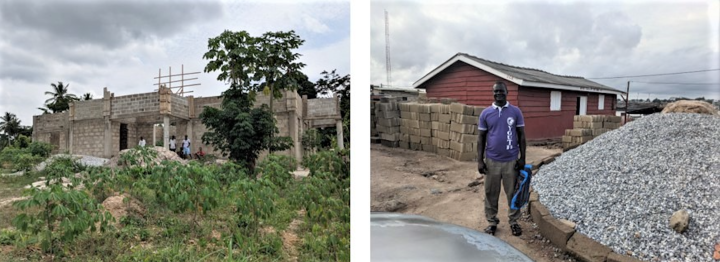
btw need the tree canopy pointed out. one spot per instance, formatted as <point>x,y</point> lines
<point>60,98</point>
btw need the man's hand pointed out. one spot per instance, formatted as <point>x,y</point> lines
<point>520,164</point>
<point>482,168</point>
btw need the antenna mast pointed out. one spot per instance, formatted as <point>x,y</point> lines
<point>387,50</point>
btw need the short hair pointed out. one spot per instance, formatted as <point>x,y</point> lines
<point>500,84</point>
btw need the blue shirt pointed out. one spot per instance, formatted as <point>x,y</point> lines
<point>500,124</point>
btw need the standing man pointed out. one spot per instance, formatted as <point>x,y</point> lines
<point>142,142</point>
<point>501,153</point>
<point>172,144</point>
<point>186,147</point>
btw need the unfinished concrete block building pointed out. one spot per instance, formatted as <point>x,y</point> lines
<point>103,127</point>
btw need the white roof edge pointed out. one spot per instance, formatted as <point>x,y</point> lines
<point>469,61</point>
<point>572,88</point>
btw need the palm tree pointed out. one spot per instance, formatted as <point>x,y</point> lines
<point>87,96</point>
<point>60,100</point>
<point>10,125</point>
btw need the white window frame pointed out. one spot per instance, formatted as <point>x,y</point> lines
<point>555,99</point>
<point>601,102</point>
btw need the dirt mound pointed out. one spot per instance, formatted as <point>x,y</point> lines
<point>688,106</point>
<point>162,154</point>
<point>119,209</point>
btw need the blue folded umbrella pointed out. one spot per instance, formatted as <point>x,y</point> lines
<point>522,193</point>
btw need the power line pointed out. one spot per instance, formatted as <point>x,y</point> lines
<point>666,83</point>
<point>677,73</point>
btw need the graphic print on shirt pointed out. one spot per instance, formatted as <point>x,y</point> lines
<point>510,122</point>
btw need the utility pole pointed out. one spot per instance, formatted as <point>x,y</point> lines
<point>627,97</point>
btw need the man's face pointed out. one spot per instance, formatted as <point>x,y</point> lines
<point>500,94</point>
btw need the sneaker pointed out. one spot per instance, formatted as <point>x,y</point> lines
<point>516,230</point>
<point>490,230</point>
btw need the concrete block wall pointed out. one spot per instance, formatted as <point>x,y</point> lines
<point>279,104</point>
<point>388,121</point>
<point>89,109</point>
<point>133,104</point>
<point>142,130</point>
<point>321,107</point>
<point>588,127</point>
<point>179,105</point>
<point>200,102</point>
<point>445,129</point>
<point>53,129</point>
<point>89,137</point>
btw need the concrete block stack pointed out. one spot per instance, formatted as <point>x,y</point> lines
<point>463,131</point>
<point>415,127</point>
<point>588,127</point>
<point>373,123</point>
<point>388,122</point>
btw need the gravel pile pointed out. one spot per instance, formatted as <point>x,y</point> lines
<point>622,187</point>
<point>85,160</point>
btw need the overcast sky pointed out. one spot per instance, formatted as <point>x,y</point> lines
<point>588,39</point>
<point>122,44</point>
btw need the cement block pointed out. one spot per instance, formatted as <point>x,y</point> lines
<point>580,132</point>
<point>599,131</point>
<point>464,119</point>
<point>404,145</point>
<point>567,132</point>
<point>612,125</point>
<point>463,147</point>
<point>567,139</point>
<point>389,114</point>
<point>424,117</point>
<point>462,128</point>
<point>435,108</point>
<point>557,232</point>
<point>613,119</point>
<point>424,108</point>
<point>587,249</point>
<point>578,125</point>
<point>429,148</point>
<point>425,132</point>
<point>434,116</point>
<point>425,124</point>
<point>404,137</point>
<point>413,107</point>
<point>434,125</point>
<point>388,122</point>
<point>414,139</point>
<point>443,135</point>
<point>468,138</point>
<point>440,143</point>
<point>615,257</point>
<point>405,114</point>
<point>415,146</point>
<point>595,125</point>
<point>444,118</point>
<point>478,110</point>
<point>390,143</point>
<point>411,123</point>
<point>426,140</point>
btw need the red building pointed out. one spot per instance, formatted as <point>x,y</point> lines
<point>548,101</point>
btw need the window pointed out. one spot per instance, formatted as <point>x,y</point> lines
<point>555,97</point>
<point>601,102</point>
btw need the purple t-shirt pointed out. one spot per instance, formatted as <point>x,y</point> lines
<point>501,123</point>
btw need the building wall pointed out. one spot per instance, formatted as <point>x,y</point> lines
<point>179,106</point>
<point>322,107</point>
<point>89,109</point>
<point>127,106</point>
<point>88,137</point>
<point>468,85</point>
<point>541,123</point>
<point>472,86</point>
<point>53,129</point>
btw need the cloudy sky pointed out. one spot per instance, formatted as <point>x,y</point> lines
<point>581,38</point>
<point>122,44</point>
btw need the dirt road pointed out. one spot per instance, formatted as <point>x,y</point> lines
<point>415,182</point>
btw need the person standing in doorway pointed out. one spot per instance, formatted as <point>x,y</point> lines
<point>142,142</point>
<point>172,144</point>
<point>186,147</point>
<point>501,154</point>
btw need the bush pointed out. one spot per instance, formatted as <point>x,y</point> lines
<point>22,142</point>
<point>40,149</point>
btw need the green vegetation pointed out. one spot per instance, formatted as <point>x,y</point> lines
<point>23,155</point>
<point>190,212</point>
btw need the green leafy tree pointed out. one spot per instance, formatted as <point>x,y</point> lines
<point>61,98</point>
<point>10,125</point>
<point>306,87</point>
<point>250,64</point>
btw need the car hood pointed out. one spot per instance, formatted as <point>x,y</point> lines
<point>402,237</point>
